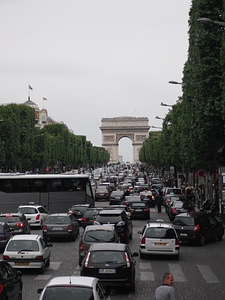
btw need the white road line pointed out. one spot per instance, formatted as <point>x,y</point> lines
<point>178,274</point>
<point>43,277</point>
<point>147,276</point>
<point>54,265</point>
<point>145,266</point>
<point>208,274</point>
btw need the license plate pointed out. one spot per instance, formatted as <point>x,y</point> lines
<point>138,209</point>
<point>160,244</point>
<point>183,234</point>
<point>107,271</point>
<point>57,228</point>
<point>22,264</point>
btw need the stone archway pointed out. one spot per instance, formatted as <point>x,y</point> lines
<point>114,129</point>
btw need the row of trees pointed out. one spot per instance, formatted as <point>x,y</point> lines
<point>25,147</point>
<point>193,134</point>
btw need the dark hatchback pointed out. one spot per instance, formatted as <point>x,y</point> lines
<point>113,263</point>
<point>177,207</point>
<point>198,227</point>
<point>78,211</point>
<point>5,235</point>
<point>11,285</point>
<point>139,210</point>
<point>116,197</point>
<point>17,222</point>
<point>118,218</point>
<point>89,216</point>
<point>60,225</point>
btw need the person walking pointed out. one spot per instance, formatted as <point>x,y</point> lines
<point>158,200</point>
<point>166,291</point>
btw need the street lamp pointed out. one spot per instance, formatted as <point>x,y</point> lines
<point>164,104</point>
<point>157,117</point>
<point>210,21</point>
<point>175,82</point>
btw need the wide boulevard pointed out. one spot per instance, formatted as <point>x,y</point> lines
<point>199,274</point>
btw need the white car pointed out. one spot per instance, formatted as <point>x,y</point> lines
<point>28,251</point>
<point>159,238</point>
<point>35,214</point>
<point>73,287</point>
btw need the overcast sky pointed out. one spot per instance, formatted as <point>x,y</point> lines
<point>94,59</point>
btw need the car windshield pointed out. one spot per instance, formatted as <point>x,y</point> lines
<point>57,220</point>
<point>19,245</point>
<point>27,210</point>
<point>184,221</point>
<point>107,257</point>
<point>174,191</point>
<point>99,236</point>
<point>160,233</point>
<point>68,293</point>
<point>138,205</point>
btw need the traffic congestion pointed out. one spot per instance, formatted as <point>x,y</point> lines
<point>138,229</point>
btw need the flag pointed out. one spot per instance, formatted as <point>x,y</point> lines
<point>44,99</point>
<point>30,87</point>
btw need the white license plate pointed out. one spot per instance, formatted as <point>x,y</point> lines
<point>107,271</point>
<point>138,209</point>
<point>57,228</point>
<point>183,234</point>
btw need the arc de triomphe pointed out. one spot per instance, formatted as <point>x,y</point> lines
<point>114,129</point>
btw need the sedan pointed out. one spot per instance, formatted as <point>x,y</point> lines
<point>89,216</point>
<point>61,225</point>
<point>28,251</point>
<point>17,222</point>
<point>139,210</point>
<point>5,234</point>
<point>11,285</point>
<point>73,287</point>
<point>178,207</point>
<point>113,263</point>
<point>116,197</point>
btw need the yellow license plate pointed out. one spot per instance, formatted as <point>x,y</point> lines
<point>22,264</point>
<point>160,244</point>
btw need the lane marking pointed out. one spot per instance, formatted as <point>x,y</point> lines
<point>178,274</point>
<point>208,274</point>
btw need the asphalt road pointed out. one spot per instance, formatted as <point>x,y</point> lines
<point>199,274</point>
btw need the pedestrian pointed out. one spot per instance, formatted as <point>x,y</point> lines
<point>166,291</point>
<point>158,200</point>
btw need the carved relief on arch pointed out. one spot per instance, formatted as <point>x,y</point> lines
<point>120,136</point>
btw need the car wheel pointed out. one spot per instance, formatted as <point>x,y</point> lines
<point>142,256</point>
<point>48,263</point>
<point>201,241</point>
<point>132,285</point>
<point>73,237</point>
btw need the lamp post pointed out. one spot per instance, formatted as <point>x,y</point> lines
<point>175,82</point>
<point>157,117</point>
<point>210,21</point>
<point>164,104</point>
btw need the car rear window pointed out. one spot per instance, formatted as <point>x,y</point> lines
<point>27,210</point>
<point>107,257</point>
<point>108,219</point>
<point>162,233</point>
<point>57,220</point>
<point>68,292</point>
<point>141,204</point>
<point>189,221</point>
<point>99,236</point>
<point>20,245</point>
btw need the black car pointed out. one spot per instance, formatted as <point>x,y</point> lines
<point>89,216</point>
<point>11,285</point>
<point>177,207</point>
<point>139,210</point>
<point>61,225</point>
<point>78,211</point>
<point>17,222</point>
<point>119,218</point>
<point>116,197</point>
<point>5,235</point>
<point>198,227</point>
<point>112,263</point>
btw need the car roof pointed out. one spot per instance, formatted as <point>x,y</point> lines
<point>192,214</point>
<point>58,215</point>
<point>74,280</point>
<point>81,205</point>
<point>30,205</point>
<point>111,212</point>
<point>108,246</point>
<point>29,237</point>
<point>159,223</point>
<point>100,227</point>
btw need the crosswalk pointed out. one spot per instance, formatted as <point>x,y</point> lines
<point>145,272</point>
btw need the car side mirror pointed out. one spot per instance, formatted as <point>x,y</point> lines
<point>39,291</point>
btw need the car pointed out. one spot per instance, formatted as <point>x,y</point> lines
<point>198,227</point>
<point>89,216</point>
<point>172,191</point>
<point>35,214</point>
<point>60,225</point>
<point>102,193</point>
<point>123,225</point>
<point>112,263</point>
<point>139,210</point>
<point>116,197</point>
<point>159,238</point>
<point>73,287</point>
<point>148,197</point>
<point>78,211</point>
<point>119,206</point>
<point>11,284</point>
<point>28,251</point>
<point>177,207</point>
<point>96,234</point>
<point>5,234</point>
<point>17,222</point>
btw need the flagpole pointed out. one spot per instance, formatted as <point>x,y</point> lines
<point>28,92</point>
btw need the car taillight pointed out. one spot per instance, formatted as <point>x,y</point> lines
<point>177,243</point>
<point>84,219</point>
<point>5,257</point>
<point>70,228</point>
<point>143,240</point>
<point>153,197</point>
<point>127,260</point>
<point>197,228</point>
<point>39,257</point>
<point>20,224</point>
<point>173,210</point>
<point>38,217</point>
<point>3,237</point>
<point>45,228</point>
<point>1,288</point>
<point>86,260</point>
<point>82,248</point>
<point>131,210</point>
<point>146,210</point>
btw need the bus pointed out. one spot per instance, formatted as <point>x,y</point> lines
<point>56,192</point>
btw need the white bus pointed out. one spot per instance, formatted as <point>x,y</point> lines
<point>56,192</point>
